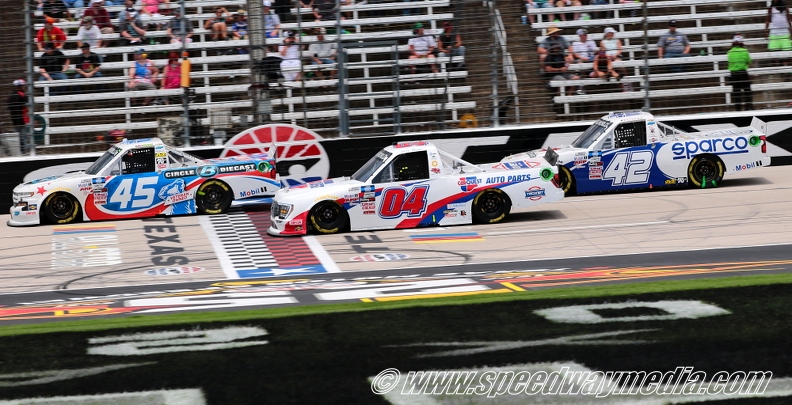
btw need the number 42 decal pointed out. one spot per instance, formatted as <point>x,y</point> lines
<point>629,168</point>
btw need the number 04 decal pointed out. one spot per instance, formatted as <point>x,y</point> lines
<point>396,201</point>
<point>629,168</point>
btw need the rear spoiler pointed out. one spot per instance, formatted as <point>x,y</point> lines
<point>551,157</point>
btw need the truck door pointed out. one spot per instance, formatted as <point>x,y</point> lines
<point>401,197</point>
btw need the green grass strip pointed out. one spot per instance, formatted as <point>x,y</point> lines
<point>135,321</point>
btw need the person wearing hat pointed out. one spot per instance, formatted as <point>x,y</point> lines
<point>17,109</point>
<point>554,39</point>
<point>88,33</point>
<point>130,25</point>
<point>272,23</point>
<point>291,55</point>
<point>56,9</point>
<point>174,28</point>
<point>583,49</point>
<point>50,33</point>
<point>239,29</point>
<point>323,54</point>
<point>143,74</point>
<point>673,44</point>
<point>556,67</point>
<point>421,46</point>
<point>101,18</point>
<point>739,61</point>
<point>449,43</point>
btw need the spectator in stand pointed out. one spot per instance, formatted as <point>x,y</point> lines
<point>603,67</point>
<point>218,25</point>
<point>87,64</point>
<point>560,4</point>
<point>151,12</point>
<point>778,26</point>
<point>554,39</point>
<point>239,29</point>
<point>421,46</point>
<point>143,74</point>
<point>583,49</point>
<point>171,74</point>
<point>323,53</point>
<point>17,109</point>
<point>88,33</point>
<point>291,53</point>
<point>272,23</point>
<point>174,29</point>
<point>56,9</point>
<point>613,50</point>
<point>673,44</point>
<point>53,65</point>
<point>325,10</point>
<point>556,67</point>
<point>50,34</point>
<point>449,43</point>
<point>101,18</point>
<point>130,26</point>
<point>739,61</point>
<point>529,4</point>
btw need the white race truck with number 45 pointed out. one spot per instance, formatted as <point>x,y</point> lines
<point>631,150</point>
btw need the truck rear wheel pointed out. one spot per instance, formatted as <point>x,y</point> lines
<point>213,197</point>
<point>491,206</point>
<point>705,171</point>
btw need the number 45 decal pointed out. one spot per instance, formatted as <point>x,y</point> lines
<point>138,190</point>
<point>396,201</point>
<point>629,167</point>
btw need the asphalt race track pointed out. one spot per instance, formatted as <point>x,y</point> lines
<point>742,227</point>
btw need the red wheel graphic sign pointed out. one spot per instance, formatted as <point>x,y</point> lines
<point>300,157</point>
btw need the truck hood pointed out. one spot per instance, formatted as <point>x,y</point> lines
<point>566,153</point>
<point>334,188</point>
<point>56,178</point>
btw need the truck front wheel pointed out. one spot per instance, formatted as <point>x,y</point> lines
<point>491,206</point>
<point>566,180</point>
<point>705,171</point>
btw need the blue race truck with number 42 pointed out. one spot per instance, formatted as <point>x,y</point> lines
<point>631,150</point>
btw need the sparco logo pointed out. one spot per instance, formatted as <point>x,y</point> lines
<point>718,146</point>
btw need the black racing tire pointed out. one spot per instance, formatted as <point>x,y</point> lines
<point>491,206</point>
<point>705,171</point>
<point>213,197</point>
<point>328,217</point>
<point>61,208</point>
<point>566,181</point>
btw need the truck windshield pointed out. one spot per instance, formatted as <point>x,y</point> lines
<point>102,161</point>
<point>367,170</point>
<point>591,134</point>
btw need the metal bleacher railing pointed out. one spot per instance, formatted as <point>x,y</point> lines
<point>501,64</point>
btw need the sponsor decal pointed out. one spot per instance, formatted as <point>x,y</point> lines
<point>521,164</point>
<point>173,271</point>
<point>40,190</point>
<point>207,171</point>
<point>434,163</point>
<point>535,193</point>
<point>495,180</point>
<point>172,174</point>
<point>595,154</point>
<point>42,180</point>
<point>670,182</point>
<point>265,167</point>
<point>296,222</point>
<point>456,205</point>
<point>718,146</point>
<point>368,212</point>
<point>410,144</point>
<point>247,167</point>
<point>468,183</point>
<point>435,170</point>
<point>100,198</point>
<point>364,189</point>
<point>450,213</point>
<point>352,199</point>
<point>177,198</point>
<point>327,197</point>
<point>249,193</point>
<point>747,166</point>
<point>368,205</point>
<point>380,257</point>
<point>595,172</point>
<point>32,207</point>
